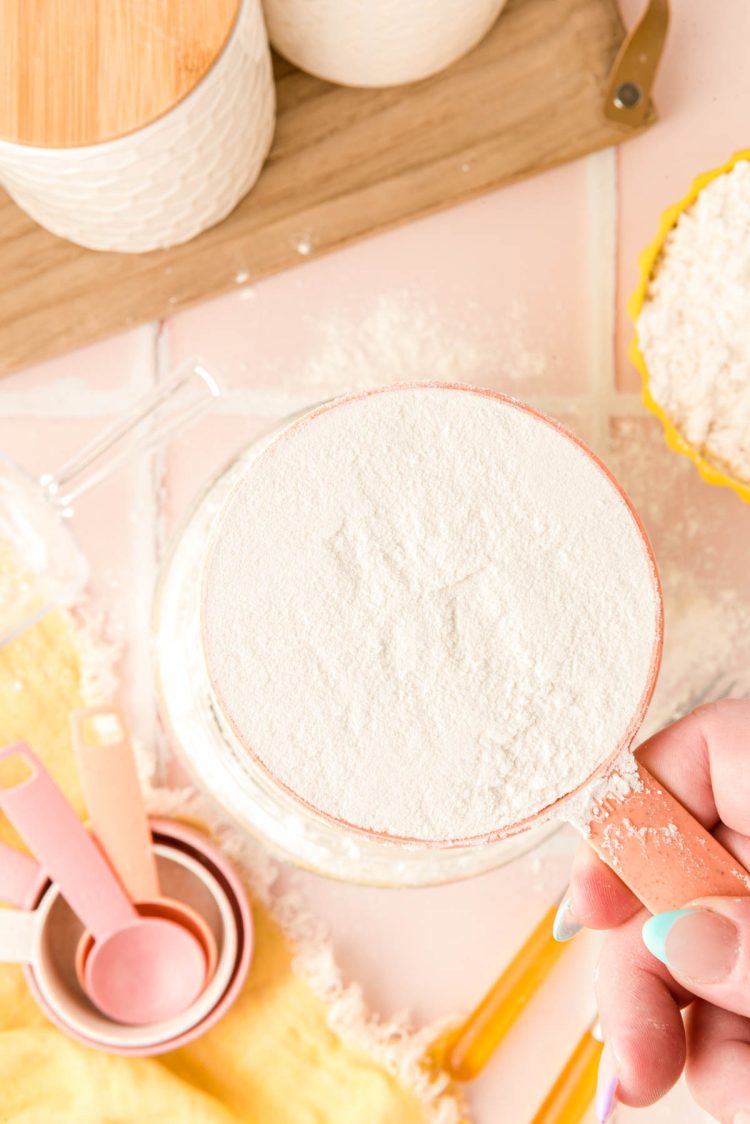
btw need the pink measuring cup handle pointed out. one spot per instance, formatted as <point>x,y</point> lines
<point>661,851</point>
<point>50,828</point>
<point>18,876</point>
<point>114,801</point>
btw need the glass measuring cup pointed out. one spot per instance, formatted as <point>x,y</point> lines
<point>214,756</point>
<point>647,821</point>
<point>41,564</point>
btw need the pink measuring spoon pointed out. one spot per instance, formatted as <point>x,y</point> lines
<point>115,805</point>
<point>140,970</point>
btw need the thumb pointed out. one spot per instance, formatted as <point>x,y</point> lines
<point>706,947</point>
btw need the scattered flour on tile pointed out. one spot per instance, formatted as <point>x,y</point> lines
<point>99,652</point>
<point>427,613</point>
<point>701,661</point>
<point>694,329</point>
<point>401,337</point>
<point>706,602</point>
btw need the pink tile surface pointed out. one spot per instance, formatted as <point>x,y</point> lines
<point>110,368</point>
<point>478,289</point>
<point>193,459</point>
<point>521,290</point>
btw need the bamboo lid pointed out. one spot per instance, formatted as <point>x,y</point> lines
<point>77,72</point>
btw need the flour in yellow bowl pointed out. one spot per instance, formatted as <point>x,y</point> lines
<point>692,316</point>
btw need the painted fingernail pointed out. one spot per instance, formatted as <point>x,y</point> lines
<point>565,926</point>
<point>606,1086</point>
<point>695,943</point>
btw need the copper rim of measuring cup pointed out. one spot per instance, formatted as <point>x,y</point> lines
<point>634,725</point>
<point>194,843</point>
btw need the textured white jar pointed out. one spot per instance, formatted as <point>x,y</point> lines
<point>168,181</point>
<point>377,42</point>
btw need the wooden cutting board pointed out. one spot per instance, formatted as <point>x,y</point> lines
<point>345,163</point>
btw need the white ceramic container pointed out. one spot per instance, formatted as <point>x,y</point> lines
<point>383,43</point>
<point>166,182</point>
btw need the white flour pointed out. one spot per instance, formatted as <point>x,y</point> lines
<point>428,613</point>
<point>694,330</point>
<point>400,337</point>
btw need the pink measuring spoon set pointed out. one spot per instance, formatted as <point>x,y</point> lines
<point>136,937</point>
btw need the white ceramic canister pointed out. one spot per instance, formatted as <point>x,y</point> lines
<point>195,145</point>
<point>377,42</point>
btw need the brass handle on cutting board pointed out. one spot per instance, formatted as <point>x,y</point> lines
<point>628,97</point>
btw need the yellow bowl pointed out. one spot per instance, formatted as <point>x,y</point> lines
<point>646,261</point>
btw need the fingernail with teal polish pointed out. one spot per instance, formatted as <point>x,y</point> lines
<point>657,929</point>
<point>606,1086</point>
<point>565,926</point>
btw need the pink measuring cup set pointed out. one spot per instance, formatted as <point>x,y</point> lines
<point>135,936</point>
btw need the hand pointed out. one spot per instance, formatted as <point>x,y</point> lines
<point>650,968</point>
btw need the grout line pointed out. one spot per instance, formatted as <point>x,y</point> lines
<point>276,405</point>
<point>160,461</point>
<point>264,404</point>
<point>162,367</point>
<point>143,372</point>
<point>69,395</point>
<point>601,255</point>
<point>625,404</point>
<point>143,522</point>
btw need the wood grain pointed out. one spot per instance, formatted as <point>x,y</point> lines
<point>75,72</point>
<point>345,163</point>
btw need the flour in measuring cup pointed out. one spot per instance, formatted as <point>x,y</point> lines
<point>694,329</point>
<point>428,613</point>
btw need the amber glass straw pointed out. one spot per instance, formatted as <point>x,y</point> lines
<point>570,1097</point>
<point>475,1041</point>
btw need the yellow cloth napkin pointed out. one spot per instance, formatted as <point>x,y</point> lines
<point>271,1060</point>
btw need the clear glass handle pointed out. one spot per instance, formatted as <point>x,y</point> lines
<point>177,402</point>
